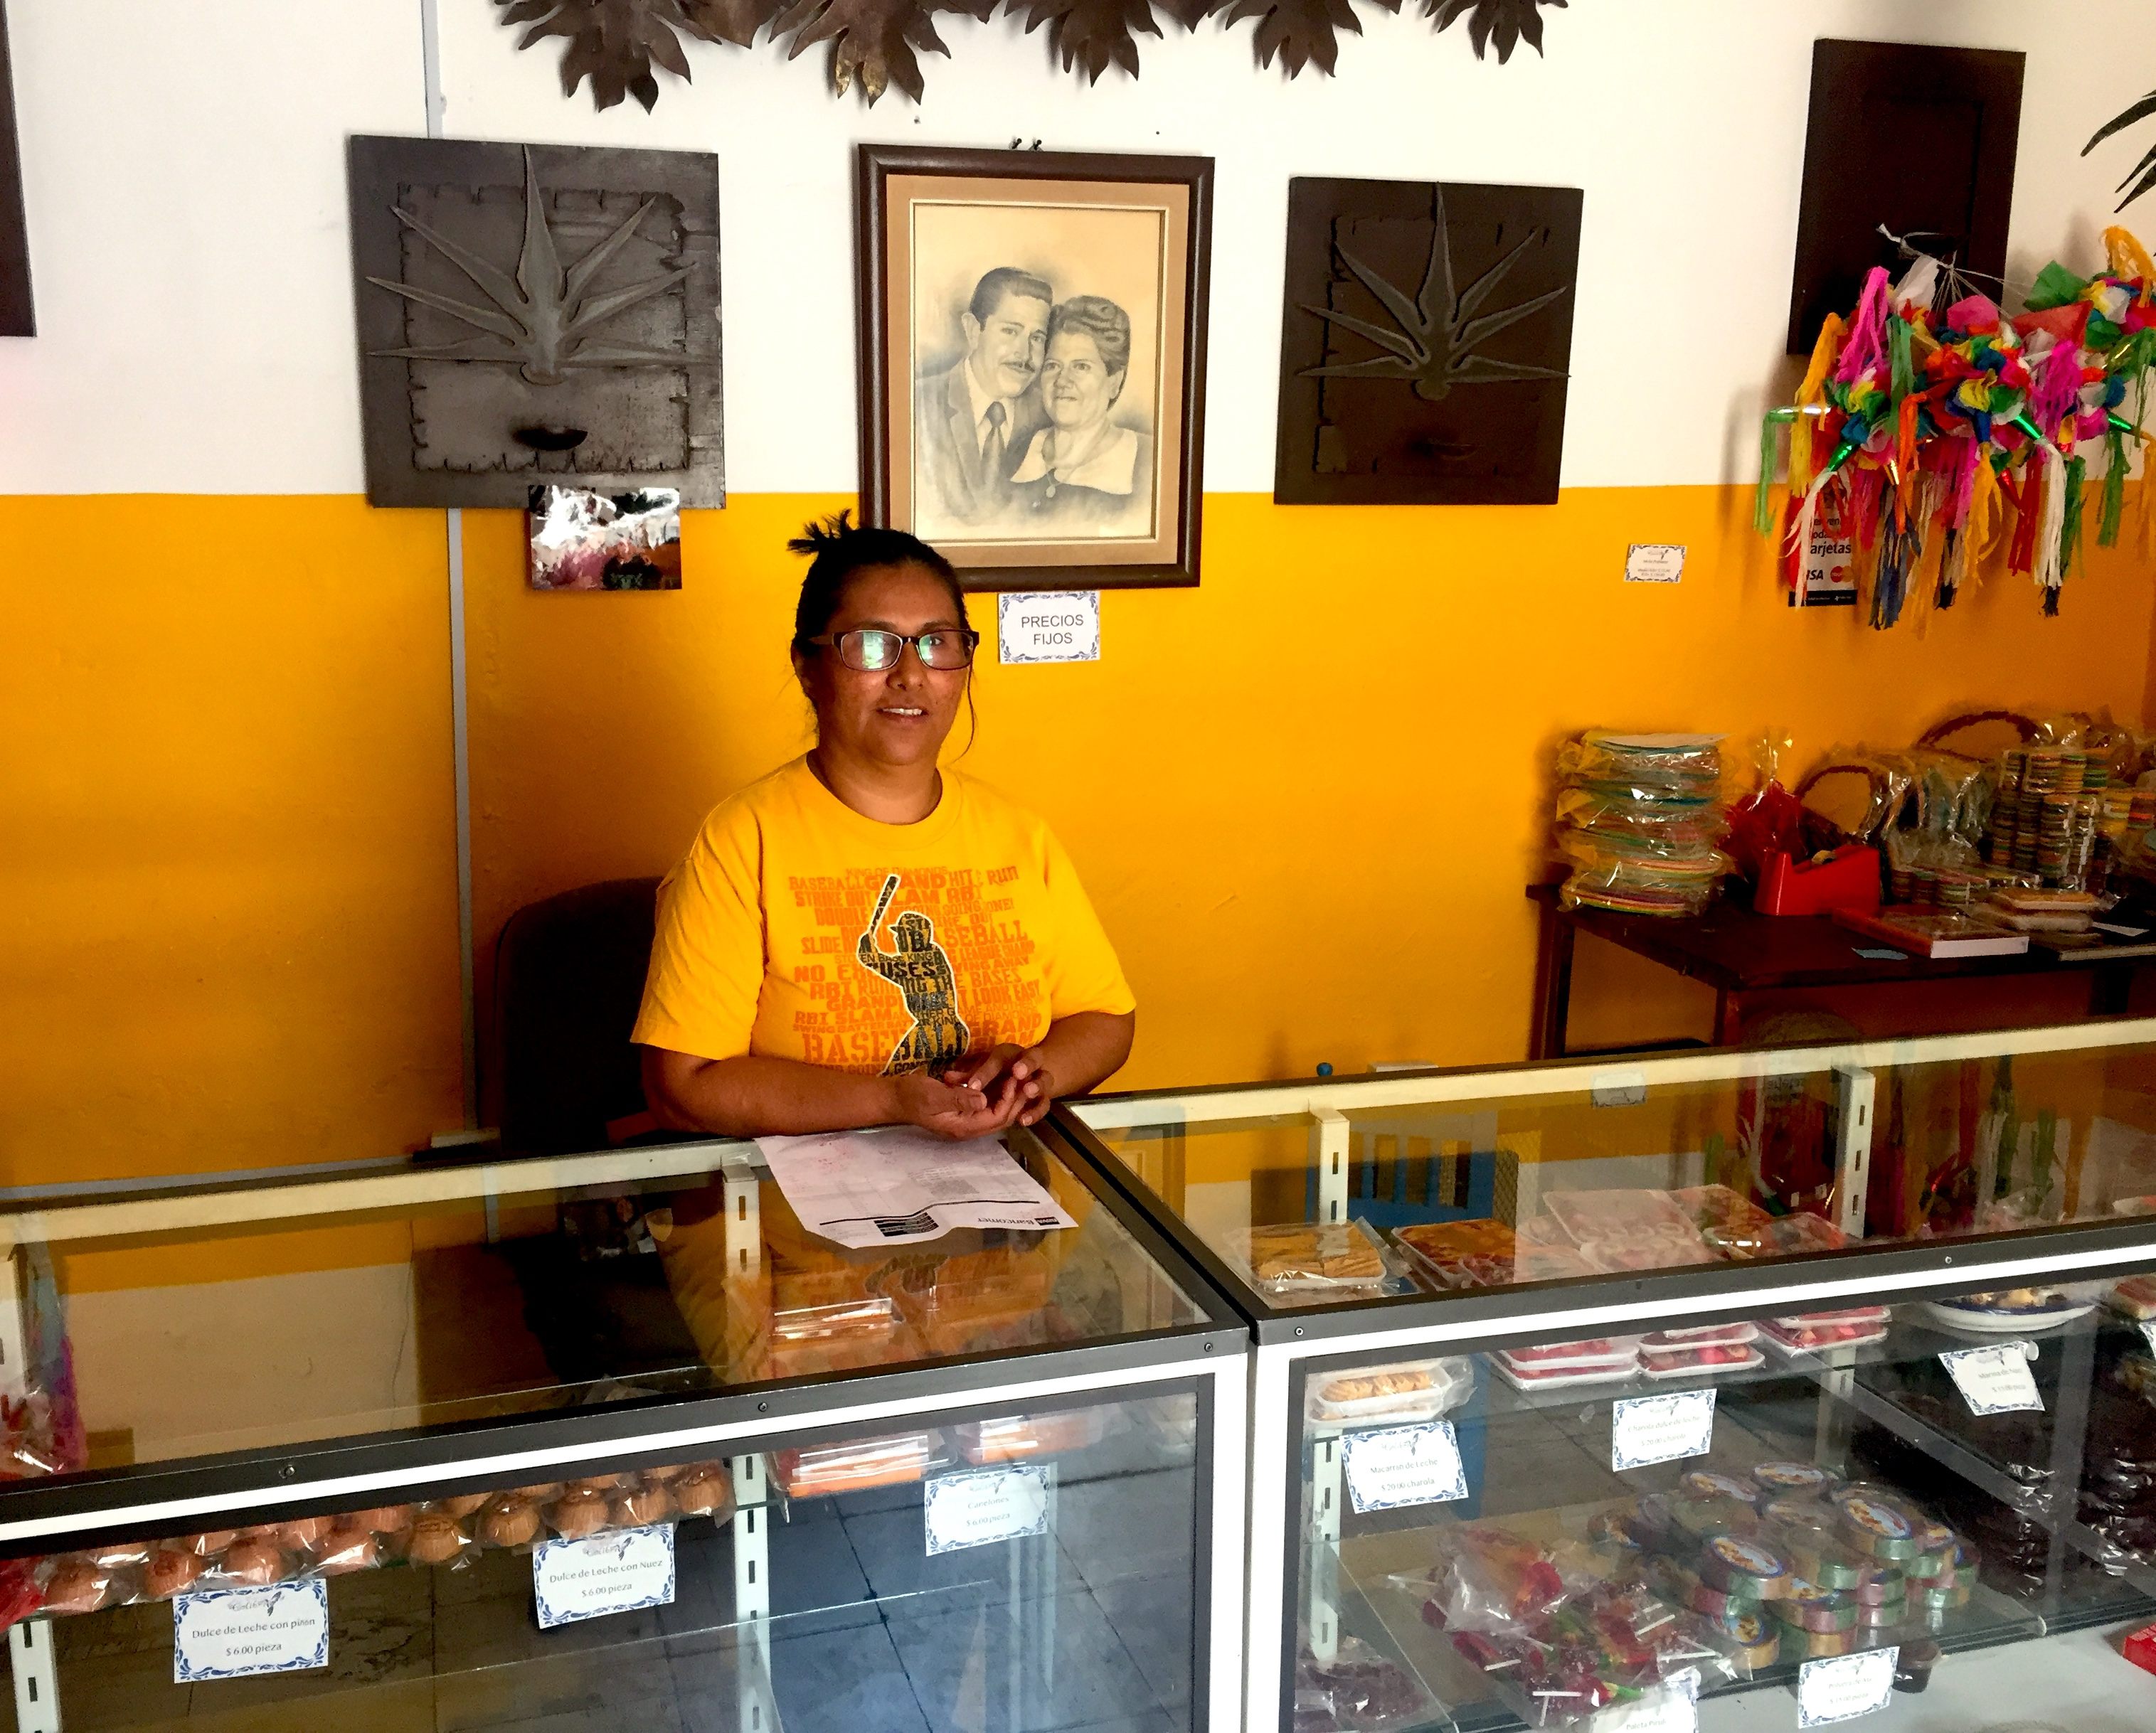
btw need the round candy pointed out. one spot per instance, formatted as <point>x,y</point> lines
<point>1811,1608</point>
<point>1786,1477</point>
<point>1758,1640</point>
<point>1705,1484</point>
<point>1880,1527</point>
<point>1737,1565</point>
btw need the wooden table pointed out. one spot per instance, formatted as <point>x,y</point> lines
<point>1738,952</point>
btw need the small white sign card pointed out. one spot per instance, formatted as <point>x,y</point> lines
<point>1994,1379</point>
<point>986,1506</point>
<point>1645,1429</point>
<point>235,1633</point>
<point>620,1572</point>
<point>1392,1467</point>
<point>1049,626</point>
<point>1653,563</point>
<point>1671,1707</point>
<point>1843,1687</point>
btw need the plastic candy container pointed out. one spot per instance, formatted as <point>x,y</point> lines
<point>860,1462</point>
<point>1461,1254</point>
<point>1733,1225</point>
<point>1020,1438</point>
<point>1306,1261</point>
<point>1620,1215</point>
<point>1397,1394</point>
<point>1603,1360</point>
<point>2134,1297</point>
<point>1809,1332</point>
<point>1685,1354</point>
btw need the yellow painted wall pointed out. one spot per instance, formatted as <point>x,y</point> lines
<point>1305,796</point>
<point>228,890</point>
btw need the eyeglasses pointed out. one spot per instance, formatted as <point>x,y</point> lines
<point>871,650</point>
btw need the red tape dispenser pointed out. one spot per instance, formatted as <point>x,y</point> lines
<point>1847,879</point>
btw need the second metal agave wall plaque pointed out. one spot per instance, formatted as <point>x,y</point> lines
<point>1424,343</point>
<point>532,313</point>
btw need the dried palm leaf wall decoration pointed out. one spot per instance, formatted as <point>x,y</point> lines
<point>619,46</point>
<point>2143,174</point>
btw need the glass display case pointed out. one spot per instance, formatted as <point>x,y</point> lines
<point>612,1440</point>
<point>1581,1389</point>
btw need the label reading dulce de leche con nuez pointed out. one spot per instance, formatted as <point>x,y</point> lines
<point>619,1572</point>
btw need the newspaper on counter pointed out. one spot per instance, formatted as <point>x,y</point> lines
<point>897,1186</point>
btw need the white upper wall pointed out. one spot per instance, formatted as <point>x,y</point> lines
<point>185,180</point>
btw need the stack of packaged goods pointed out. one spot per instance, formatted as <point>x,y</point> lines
<point>1797,1564</point>
<point>1640,821</point>
<point>1559,1366</point>
<point>1813,1332</point>
<point>2053,808</point>
<point>1554,1634</point>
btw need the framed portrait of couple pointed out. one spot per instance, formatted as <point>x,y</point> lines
<point>1033,356</point>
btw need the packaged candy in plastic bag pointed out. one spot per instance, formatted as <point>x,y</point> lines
<point>1639,817</point>
<point>1359,1690</point>
<point>1770,820</point>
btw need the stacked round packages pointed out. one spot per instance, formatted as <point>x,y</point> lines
<point>1639,818</point>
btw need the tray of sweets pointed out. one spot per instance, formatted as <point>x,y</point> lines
<point>1730,1222</point>
<point>1660,1252</point>
<point>1617,1214</point>
<point>1314,1260</point>
<point>1399,1392</point>
<point>1692,1362</point>
<point>1461,1254</point>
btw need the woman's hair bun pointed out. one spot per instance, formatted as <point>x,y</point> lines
<point>819,536</point>
<point>837,547</point>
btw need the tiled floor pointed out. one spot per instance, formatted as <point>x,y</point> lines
<point>1085,1630</point>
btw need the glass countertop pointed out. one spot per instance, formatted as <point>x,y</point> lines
<point>1345,1192</point>
<point>194,1322</point>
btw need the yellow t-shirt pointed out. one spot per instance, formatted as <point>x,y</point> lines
<point>797,928</point>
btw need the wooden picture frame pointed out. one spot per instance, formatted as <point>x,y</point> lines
<point>18,316</point>
<point>1919,139</point>
<point>1032,344</point>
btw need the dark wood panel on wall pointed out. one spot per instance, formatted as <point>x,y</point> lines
<point>17,317</point>
<point>1920,139</point>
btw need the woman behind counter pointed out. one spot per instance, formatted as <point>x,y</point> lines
<point>863,938</point>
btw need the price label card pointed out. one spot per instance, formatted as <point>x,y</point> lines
<point>235,1633</point>
<point>1645,1429</point>
<point>1994,1379</point>
<point>621,1572</point>
<point>1843,1687</point>
<point>1049,626</point>
<point>1397,1466</point>
<point>1653,563</point>
<point>1671,1707</point>
<point>975,1510</point>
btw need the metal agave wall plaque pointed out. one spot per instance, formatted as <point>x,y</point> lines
<point>533,313</point>
<point>619,46</point>
<point>1425,343</point>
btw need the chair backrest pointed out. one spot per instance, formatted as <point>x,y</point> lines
<point>568,975</point>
